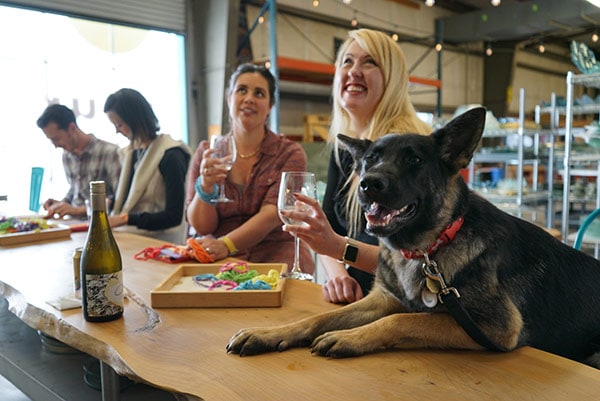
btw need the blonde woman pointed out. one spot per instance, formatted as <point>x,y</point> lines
<point>370,99</point>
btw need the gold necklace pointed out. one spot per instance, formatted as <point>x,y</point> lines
<point>253,153</point>
<point>249,155</point>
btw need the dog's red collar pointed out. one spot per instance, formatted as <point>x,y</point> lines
<point>446,236</point>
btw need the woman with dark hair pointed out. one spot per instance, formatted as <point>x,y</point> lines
<point>249,227</point>
<point>150,194</point>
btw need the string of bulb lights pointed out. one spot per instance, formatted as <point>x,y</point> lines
<point>429,3</point>
<point>354,21</point>
<point>488,51</point>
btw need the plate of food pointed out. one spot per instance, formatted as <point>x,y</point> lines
<point>22,229</point>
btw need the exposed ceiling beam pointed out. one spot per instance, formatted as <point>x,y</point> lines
<point>519,21</point>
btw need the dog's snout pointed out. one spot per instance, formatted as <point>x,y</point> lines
<point>371,184</point>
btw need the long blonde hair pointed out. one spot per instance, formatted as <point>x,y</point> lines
<point>394,113</point>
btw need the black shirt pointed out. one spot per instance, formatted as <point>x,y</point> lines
<point>334,206</point>
<point>173,168</point>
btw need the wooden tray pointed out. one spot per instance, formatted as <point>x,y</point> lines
<point>61,231</point>
<point>180,291</point>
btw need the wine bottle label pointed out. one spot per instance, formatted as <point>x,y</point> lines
<point>104,294</point>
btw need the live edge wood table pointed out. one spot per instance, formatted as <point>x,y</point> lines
<point>183,350</point>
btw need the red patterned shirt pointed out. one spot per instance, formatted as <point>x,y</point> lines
<point>277,154</point>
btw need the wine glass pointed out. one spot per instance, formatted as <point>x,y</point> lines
<point>291,183</point>
<point>224,148</point>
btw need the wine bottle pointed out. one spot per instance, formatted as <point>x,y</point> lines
<point>101,266</point>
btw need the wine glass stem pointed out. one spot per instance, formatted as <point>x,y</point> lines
<point>222,190</point>
<point>296,267</point>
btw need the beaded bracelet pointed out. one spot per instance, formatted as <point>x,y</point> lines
<point>204,197</point>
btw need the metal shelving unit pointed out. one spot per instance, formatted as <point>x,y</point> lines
<point>587,80</point>
<point>521,201</point>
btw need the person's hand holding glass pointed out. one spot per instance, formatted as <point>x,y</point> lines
<point>223,148</point>
<point>291,184</point>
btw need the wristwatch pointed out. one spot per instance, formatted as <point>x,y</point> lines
<point>350,251</point>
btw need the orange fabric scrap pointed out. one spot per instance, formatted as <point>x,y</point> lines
<point>170,253</point>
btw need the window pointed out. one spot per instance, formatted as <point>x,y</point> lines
<point>48,58</point>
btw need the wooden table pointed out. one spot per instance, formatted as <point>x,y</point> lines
<point>183,350</point>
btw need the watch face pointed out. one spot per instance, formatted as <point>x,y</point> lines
<point>350,253</point>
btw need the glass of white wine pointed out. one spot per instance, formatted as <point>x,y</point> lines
<point>291,183</point>
<point>224,149</point>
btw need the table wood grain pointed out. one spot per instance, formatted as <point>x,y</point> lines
<point>183,350</point>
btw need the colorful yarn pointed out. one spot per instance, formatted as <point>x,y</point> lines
<point>200,279</point>
<point>237,276</point>
<point>223,283</point>
<point>271,278</point>
<point>236,271</point>
<point>239,267</point>
<point>253,285</point>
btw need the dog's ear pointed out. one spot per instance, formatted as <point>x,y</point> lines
<point>460,137</point>
<point>356,147</point>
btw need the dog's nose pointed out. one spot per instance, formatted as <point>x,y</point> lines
<point>371,184</point>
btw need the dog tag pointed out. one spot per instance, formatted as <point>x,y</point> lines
<point>433,286</point>
<point>429,298</point>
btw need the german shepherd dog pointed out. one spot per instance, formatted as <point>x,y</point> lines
<point>517,284</point>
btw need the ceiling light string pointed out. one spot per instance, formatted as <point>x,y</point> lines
<point>360,15</point>
<point>393,32</point>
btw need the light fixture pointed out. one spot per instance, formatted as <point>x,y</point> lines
<point>347,1</point>
<point>395,37</point>
<point>488,49</point>
<point>429,3</point>
<point>541,47</point>
<point>261,19</point>
<point>268,64</point>
<point>595,37</point>
<point>354,21</point>
<point>315,3</point>
<point>496,3</point>
<point>438,47</point>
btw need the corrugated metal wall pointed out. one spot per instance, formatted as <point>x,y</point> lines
<point>167,15</point>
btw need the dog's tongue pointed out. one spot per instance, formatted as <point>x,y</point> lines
<point>378,215</point>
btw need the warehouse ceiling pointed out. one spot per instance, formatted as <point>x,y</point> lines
<point>516,23</point>
<point>556,23</point>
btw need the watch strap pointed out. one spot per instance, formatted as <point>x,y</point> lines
<point>350,251</point>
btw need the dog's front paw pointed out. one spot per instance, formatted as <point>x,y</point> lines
<point>339,344</point>
<point>257,341</point>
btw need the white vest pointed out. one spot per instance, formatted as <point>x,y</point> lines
<point>147,192</point>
